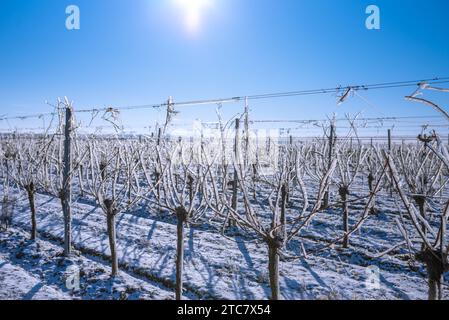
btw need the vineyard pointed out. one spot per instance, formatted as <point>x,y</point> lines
<point>225,213</point>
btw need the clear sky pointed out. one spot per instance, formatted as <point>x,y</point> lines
<point>142,51</point>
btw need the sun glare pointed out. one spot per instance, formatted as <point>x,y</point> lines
<point>193,11</point>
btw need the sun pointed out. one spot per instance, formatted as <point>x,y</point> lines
<point>193,11</point>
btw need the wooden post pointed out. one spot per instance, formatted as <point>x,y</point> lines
<point>344,203</point>
<point>330,155</point>
<point>246,132</point>
<point>31,191</point>
<point>6,182</point>
<point>389,150</point>
<point>443,240</point>
<point>443,246</point>
<point>66,192</point>
<point>268,145</point>
<point>180,154</point>
<point>159,134</point>
<point>389,139</point>
<point>237,159</point>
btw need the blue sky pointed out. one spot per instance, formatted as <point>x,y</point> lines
<point>140,51</point>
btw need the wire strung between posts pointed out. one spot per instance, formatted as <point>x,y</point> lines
<point>369,121</point>
<point>342,119</point>
<point>386,85</point>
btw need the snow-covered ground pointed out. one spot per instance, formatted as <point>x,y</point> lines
<point>216,267</point>
<point>20,284</point>
<point>37,271</point>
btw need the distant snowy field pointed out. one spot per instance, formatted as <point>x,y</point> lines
<point>216,267</point>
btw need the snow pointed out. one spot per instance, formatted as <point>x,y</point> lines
<point>216,267</point>
<point>37,271</point>
<point>18,284</point>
